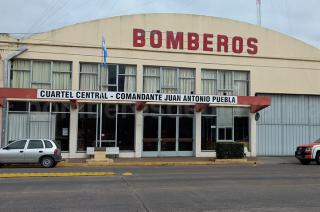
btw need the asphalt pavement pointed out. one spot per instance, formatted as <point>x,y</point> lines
<point>261,187</point>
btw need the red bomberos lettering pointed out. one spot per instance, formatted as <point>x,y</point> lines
<point>194,41</point>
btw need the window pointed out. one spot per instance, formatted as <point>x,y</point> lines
<point>87,126</point>
<point>150,133</point>
<point>20,73</point>
<point>39,106</point>
<point>18,106</point>
<point>168,128</point>
<point>151,79</point>
<point>117,126</point>
<point>17,145</point>
<point>225,133</point>
<point>189,109</point>
<point>241,82</point>
<point>224,82</point>
<point>40,74</point>
<point>61,75</point>
<point>209,81</point>
<point>241,126</point>
<point>127,78</point>
<point>47,144</point>
<point>35,144</point>
<point>185,133</point>
<point>241,129</point>
<point>168,133</point>
<point>89,77</point>
<point>18,120</point>
<point>224,124</point>
<point>186,80</point>
<point>106,125</point>
<point>107,78</point>
<point>168,80</point>
<point>168,109</point>
<point>39,120</point>
<point>108,122</point>
<point>125,126</point>
<point>151,109</point>
<point>60,118</point>
<point>208,129</point>
<point>125,131</point>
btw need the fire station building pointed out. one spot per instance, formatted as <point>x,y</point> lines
<point>171,85</point>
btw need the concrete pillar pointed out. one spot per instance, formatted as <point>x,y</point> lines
<point>75,74</point>
<point>139,115</point>
<point>138,134</point>
<point>139,78</point>
<point>197,137</point>
<point>198,81</point>
<point>253,135</point>
<point>73,137</point>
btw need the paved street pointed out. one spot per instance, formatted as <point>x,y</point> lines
<point>268,187</point>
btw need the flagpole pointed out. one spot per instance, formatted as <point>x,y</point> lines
<point>104,50</point>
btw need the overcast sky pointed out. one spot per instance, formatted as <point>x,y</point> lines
<point>297,18</point>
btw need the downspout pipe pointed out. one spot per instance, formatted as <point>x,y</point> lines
<point>7,64</point>
<point>6,83</point>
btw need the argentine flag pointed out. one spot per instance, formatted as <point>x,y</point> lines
<point>104,50</point>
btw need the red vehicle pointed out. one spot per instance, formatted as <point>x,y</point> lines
<point>308,152</point>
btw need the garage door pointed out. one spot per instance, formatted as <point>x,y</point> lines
<point>289,121</point>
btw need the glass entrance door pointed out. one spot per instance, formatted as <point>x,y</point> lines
<point>167,133</point>
<point>107,126</point>
<point>208,133</point>
<point>150,135</point>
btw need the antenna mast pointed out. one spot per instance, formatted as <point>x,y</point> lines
<point>259,12</point>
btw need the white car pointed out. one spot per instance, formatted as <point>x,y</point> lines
<point>41,151</point>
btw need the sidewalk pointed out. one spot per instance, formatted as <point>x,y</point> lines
<point>277,160</point>
<point>176,161</point>
<point>157,161</point>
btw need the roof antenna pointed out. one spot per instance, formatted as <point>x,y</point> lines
<point>258,12</point>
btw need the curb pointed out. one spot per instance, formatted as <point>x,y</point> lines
<point>215,162</point>
<point>55,174</point>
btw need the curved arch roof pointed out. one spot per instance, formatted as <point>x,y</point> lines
<point>119,34</point>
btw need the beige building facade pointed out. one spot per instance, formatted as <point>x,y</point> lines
<point>176,54</point>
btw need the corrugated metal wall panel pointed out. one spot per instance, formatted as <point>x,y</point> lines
<point>314,110</point>
<point>269,138</point>
<point>314,133</point>
<point>272,114</point>
<point>293,135</point>
<point>289,121</point>
<point>294,110</point>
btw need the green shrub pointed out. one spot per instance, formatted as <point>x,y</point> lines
<point>229,150</point>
